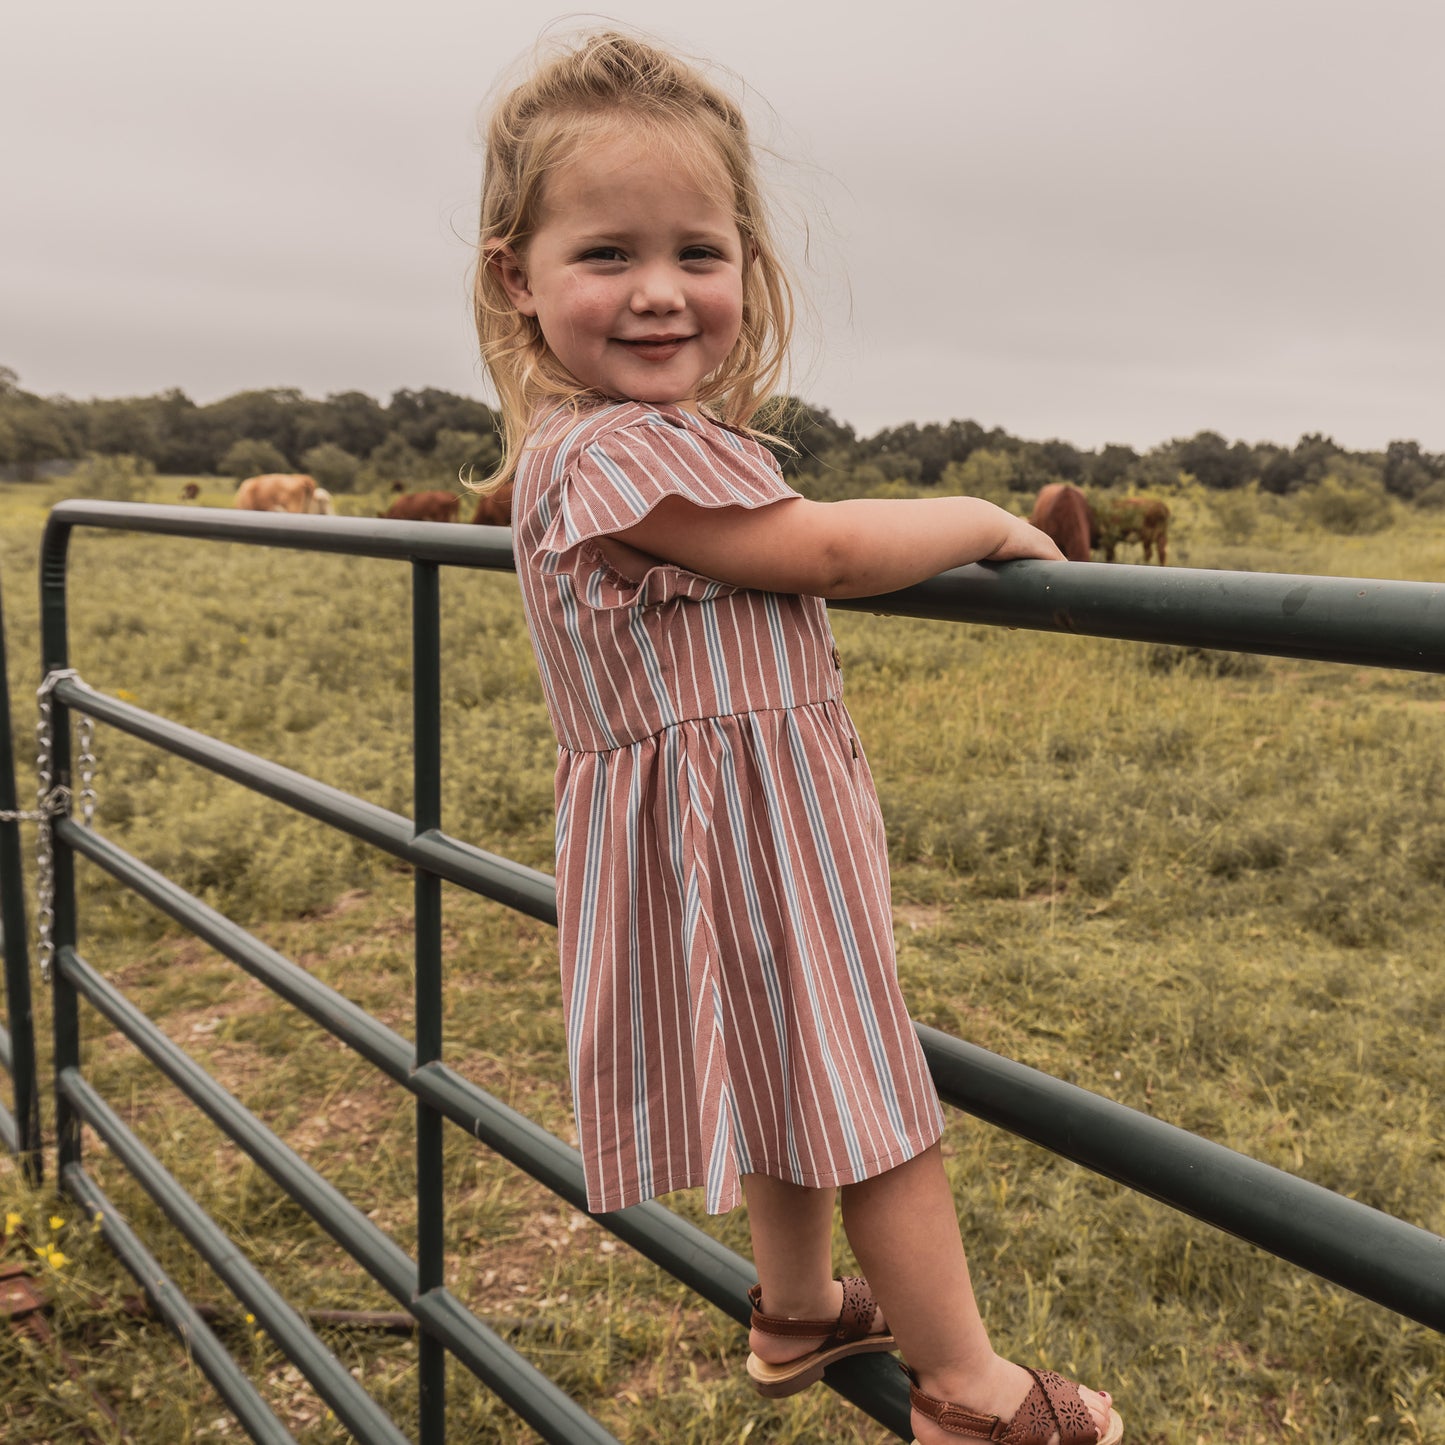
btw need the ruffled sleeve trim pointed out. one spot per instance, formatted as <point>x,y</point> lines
<point>615,479</point>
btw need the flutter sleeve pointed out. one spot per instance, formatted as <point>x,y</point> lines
<point>616,480</point>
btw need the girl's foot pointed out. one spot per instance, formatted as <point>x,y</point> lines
<point>1001,1391</point>
<point>790,1352</point>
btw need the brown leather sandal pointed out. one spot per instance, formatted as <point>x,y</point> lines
<point>847,1335</point>
<point>1052,1406</point>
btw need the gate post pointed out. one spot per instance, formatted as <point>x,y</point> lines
<point>64,1002</point>
<point>426,810</point>
<point>19,1013</point>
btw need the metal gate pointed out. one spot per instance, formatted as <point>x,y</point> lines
<point>1389,624</point>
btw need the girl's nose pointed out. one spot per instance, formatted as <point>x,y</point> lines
<point>657,289</point>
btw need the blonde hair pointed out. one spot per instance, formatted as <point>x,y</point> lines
<point>604,82</point>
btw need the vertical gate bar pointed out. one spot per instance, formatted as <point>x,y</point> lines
<point>427,806</point>
<point>19,1013</point>
<point>64,1000</point>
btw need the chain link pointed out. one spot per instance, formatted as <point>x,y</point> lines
<point>54,801</point>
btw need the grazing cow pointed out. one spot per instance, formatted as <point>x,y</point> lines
<point>1063,512</point>
<point>1132,519</point>
<point>494,509</point>
<point>425,507</point>
<point>276,492</point>
<point>321,503</point>
<point>190,491</point>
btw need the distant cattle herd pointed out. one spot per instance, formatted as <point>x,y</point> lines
<point>288,492</point>
<point>1079,526</point>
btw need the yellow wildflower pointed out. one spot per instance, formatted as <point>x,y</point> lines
<point>250,1319</point>
<point>13,1222</point>
<point>56,1259</point>
<point>56,1222</point>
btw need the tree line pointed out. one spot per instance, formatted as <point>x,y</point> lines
<point>349,440</point>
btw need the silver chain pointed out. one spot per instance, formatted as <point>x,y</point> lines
<point>54,802</point>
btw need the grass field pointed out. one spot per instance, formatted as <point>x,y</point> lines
<point>1211,889</point>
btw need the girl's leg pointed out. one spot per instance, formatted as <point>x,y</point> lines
<point>904,1231</point>
<point>792,1230</point>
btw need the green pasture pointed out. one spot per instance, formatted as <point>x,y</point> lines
<point>1208,886</point>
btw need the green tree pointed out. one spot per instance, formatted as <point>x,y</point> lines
<point>1408,471</point>
<point>269,415</point>
<point>36,433</point>
<point>418,416</point>
<point>1211,459</point>
<point>333,466</point>
<point>1111,465</point>
<point>252,457</point>
<point>464,453</point>
<point>987,473</point>
<point>395,460</point>
<point>121,428</point>
<point>1304,465</point>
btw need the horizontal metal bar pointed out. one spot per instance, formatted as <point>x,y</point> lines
<point>446,543</point>
<point>1358,620</point>
<point>1367,1251</point>
<point>525,889</point>
<point>553,1415</point>
<point>383,1259</point>
<point>356,1410</point>
<point>333,1011</point>
<point>218,1366</point>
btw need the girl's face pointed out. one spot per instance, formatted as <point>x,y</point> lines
<point>635,274</point>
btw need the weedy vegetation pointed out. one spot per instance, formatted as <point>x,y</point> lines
<point>1206,885</point>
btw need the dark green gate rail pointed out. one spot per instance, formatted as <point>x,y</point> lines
<point>20,1131</point>
<point>1391,624</point>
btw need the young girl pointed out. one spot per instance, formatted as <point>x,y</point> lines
<point>733,1013</point>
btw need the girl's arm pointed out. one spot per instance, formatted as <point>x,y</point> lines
<point>854,548</point>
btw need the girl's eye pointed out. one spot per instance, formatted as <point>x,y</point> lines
<point>700,253</point>
<point>603,253</point>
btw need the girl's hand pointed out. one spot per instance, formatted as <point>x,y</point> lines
<point>1025,540</point>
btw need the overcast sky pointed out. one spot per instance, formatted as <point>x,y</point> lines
<point>1109,220</point>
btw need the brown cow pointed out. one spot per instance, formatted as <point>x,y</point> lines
<point>1132,519</point>
<point>1063,513</point>
<point>425,507</point>
<point>494,509</point>
<point>190,491</point>
<point>321,504</point>
<point>276,492</point>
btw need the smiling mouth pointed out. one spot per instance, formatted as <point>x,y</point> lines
<point>646,344</point>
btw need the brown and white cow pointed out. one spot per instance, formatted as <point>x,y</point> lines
<point>276,492</point>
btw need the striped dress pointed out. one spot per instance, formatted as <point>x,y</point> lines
<point>728,972</point>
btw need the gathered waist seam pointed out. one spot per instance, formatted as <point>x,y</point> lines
<point>740,712</point>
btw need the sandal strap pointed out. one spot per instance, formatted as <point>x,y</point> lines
<point>1052,1404</point>
<point>854,1322</point>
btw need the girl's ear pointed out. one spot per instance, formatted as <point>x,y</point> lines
<point>513,275</point>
